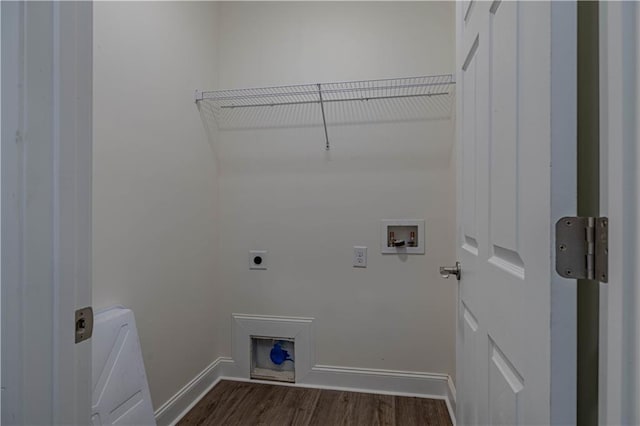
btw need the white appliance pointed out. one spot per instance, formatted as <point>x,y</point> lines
<point>120,390</point>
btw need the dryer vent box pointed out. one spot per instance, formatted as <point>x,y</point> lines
<point>273,358</point>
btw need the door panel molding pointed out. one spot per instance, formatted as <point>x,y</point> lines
<point>504,138</point>
<point>470,129</point>
<point>505,388</point>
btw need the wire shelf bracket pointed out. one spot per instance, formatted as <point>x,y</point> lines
<point>326,93</point>
<point>324,118</point>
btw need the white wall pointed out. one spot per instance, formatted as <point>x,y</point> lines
<point>175,213</point>
<point>281,192</point>
<point>155,183</point>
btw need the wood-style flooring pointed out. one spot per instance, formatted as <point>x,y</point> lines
<point>243,403</point>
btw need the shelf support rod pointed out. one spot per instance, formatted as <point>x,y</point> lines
<point>324,120</point>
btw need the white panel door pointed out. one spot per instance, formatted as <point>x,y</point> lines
<point>516,121</point>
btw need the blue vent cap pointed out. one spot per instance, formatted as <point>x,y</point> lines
<point>279,355</point>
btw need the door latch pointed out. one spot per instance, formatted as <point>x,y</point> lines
<point>84,324</point>
<point>582,248</point>
<point>446,271</point>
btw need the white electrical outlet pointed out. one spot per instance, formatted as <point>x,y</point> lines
<point>359,257</point>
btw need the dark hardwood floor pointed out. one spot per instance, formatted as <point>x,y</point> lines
<point>243,403</point>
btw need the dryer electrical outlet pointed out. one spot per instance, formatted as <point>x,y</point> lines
<point>257,259</point>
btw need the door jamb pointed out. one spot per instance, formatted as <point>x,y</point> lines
<point>619,378</point>
<point>56,85</point>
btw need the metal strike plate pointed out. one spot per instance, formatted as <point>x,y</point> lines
<point>84,324</point>
<point>582,248</point>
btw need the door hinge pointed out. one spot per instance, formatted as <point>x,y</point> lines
<point>84,324</point>
<point>582,248</point>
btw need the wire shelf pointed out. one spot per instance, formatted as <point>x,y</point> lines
<point>331,103</point>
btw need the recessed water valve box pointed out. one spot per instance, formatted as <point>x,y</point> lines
<point>402,236</point>
<point>273,358</point>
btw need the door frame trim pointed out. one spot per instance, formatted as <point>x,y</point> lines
<point>47,74</point>
<point>619,377</point>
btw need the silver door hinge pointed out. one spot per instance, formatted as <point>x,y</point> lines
<point>582,248</point>
<point>84,324</point>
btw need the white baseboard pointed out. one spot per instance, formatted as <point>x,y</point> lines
<point>178,405</point>
<point>451,400</point>
<point>389,382</point>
